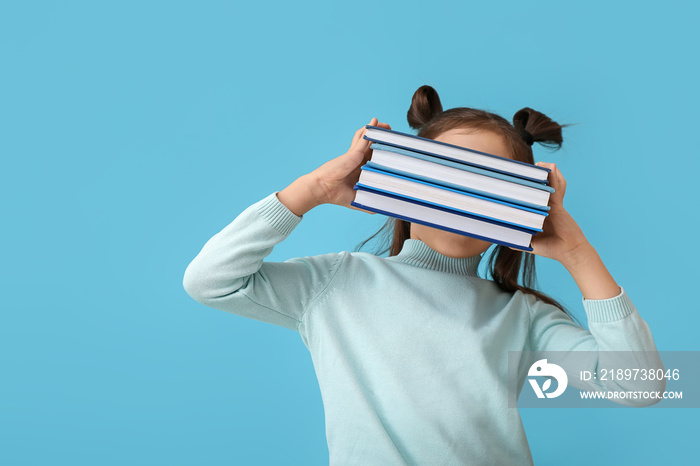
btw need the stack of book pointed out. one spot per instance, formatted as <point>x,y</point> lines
<point>453,188</point>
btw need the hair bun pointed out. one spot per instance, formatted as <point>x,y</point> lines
<point>535,126</point>
<point>424,106</point>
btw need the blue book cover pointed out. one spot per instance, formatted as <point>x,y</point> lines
<point>444,207</point>
<point>544,170</point>
<point>433,225</point>
<point>462,166</point>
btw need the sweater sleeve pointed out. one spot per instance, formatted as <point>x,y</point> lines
<point>618,339</point>
<point>229,273</point>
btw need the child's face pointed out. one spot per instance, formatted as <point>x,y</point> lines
<point>452,244</point>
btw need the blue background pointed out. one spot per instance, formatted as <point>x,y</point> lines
<point>132,132</point>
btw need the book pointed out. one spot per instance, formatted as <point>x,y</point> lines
<point>457,153</point>
<point>436,217</point>
<point>460,176</point>
<point>448,198</point>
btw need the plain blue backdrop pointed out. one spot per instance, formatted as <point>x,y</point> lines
<point>132,132</point>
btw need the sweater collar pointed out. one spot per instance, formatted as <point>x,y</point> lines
<point>416,252</point>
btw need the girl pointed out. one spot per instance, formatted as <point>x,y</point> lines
<point>411,350</point>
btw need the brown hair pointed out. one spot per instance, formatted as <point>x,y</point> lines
<point>506,266</point>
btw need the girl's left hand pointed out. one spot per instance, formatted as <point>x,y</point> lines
<point>561,237</point>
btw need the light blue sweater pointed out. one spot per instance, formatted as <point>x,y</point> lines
<point>404,346</point>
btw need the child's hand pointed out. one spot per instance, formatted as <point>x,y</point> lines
<point>561,236</point>
<point>563,241</point>
<point>332,182</point>
<point>335,179</point>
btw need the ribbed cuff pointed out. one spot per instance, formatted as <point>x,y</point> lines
<point>279,216</point>
<point>608,310</point>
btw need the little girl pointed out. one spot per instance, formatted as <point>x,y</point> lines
<point>411,350</point>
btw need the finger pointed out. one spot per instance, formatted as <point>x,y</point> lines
<point>362,146</point>
<point>555,173</point>
<point>559,183</point>
<point>372,122</point>
<point>559,176</point>
<point>357,156</point>
<point>361,132</point>
<point>368,151</point>
<point>546,165</point>
<point>356,136</point>
<point>556,181</point>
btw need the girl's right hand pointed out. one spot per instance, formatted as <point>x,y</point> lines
<point>336,178</point>
<point>332,182</point>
